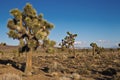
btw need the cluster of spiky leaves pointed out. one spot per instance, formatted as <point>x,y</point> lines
<point>93,45</point>
<point>28,27</point>
<point>48,45</point>
<point>68,41</point>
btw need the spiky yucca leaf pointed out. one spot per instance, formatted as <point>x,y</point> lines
<point>16,13</point>
<point>13,34</point>
<point>28,22</point>
<point>93,45</point>
<point>49,26</point>
<point>29,10</point>
<point>11,25</point>
<point>40,16</point>
<point>68,33</point>
<point>41,35</point>
<point>32,43</point>
<point>22,43</point>
<point>75,35</point>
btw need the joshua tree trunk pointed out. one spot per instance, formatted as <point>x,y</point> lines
<point>93,51</point>
<point>28,69</point>
<point>73,49</point>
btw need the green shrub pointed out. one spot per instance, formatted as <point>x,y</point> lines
<point>50,50</point>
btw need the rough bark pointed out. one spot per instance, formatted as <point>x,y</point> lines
<point>93,51</point>
<point>28,69</point>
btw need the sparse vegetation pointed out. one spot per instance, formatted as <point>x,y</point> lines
<point>64,66</point>
<point>32,31</point>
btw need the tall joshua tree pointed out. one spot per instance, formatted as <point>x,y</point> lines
<point>29,28</point>
<point>94,46</point>
<point>68,41</point>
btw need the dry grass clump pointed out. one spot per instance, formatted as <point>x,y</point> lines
<point>11,76</point>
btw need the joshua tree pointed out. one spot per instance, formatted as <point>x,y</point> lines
<point>94,46</point>
<point>96,49</point>
<point>30,29</point>
<point>68,41</point>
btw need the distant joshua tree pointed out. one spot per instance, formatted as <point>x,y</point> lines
<point>94,47</point>
<point>29,28</point>
<point>119,44</point>
<point>68,41</point>
<point>3,44</point>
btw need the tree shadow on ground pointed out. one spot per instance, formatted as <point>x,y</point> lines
<point>45,69</point>
<point>108,74</point>
<point>16,65</point>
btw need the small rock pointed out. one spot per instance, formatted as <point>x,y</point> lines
<point>54,74</point>
<point>76,76</point>
<point>64,78</point>
<point>8,64</point>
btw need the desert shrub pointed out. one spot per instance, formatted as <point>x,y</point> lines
<point>50,50</point>
<point>15,51</point>
<point>3,44</point>
<point>84,71</point>
<point>1,52</point>
<point>10,76</point>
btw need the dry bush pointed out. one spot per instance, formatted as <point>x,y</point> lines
<point>11,76</point>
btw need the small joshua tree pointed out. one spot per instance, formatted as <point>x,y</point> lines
<point>94,47</point>
<point>29,28</point>
<point>68,41</point>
